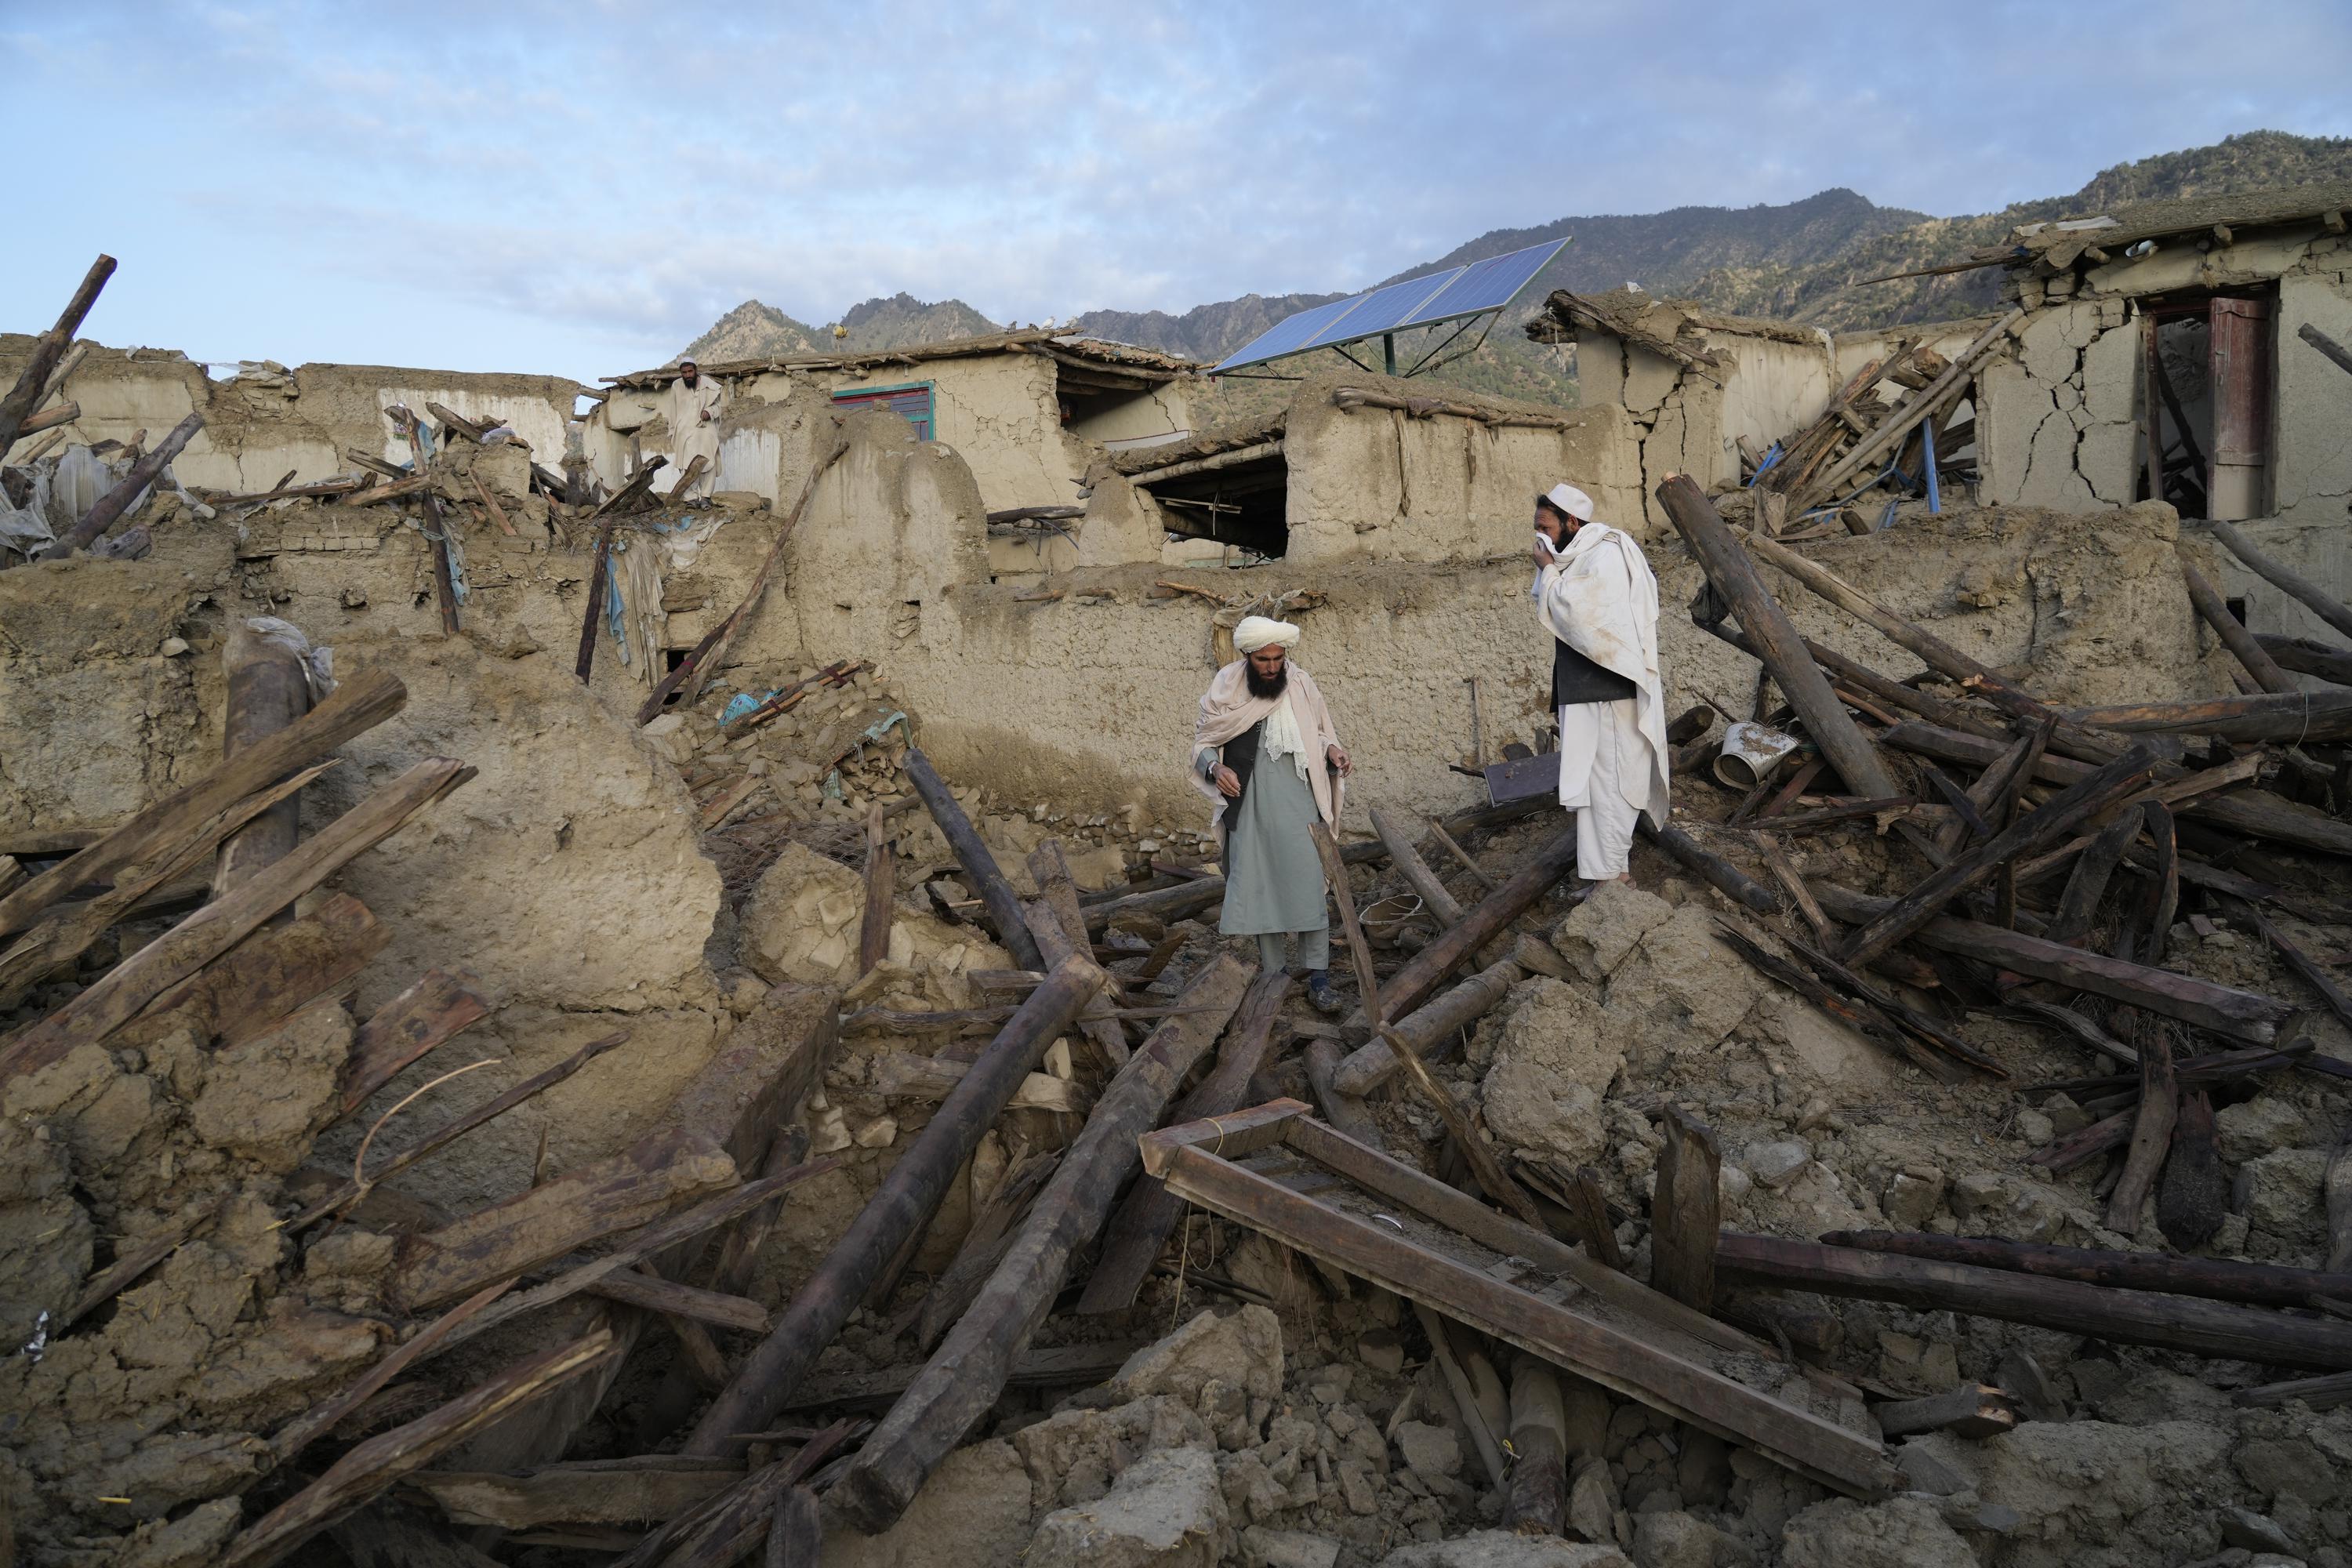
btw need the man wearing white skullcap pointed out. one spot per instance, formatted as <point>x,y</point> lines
<point>1595,594</point>
<point>1266,754</point>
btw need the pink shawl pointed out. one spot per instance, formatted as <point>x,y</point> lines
<point>1228,709</point>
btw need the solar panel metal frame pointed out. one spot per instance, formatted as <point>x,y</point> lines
<point>1470,290</point>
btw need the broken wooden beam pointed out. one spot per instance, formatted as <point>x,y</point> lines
<point>593,615</point>
<point>2287,716</point>
<point>375,1466</point>
<point>1372,1064</point>
<point>2210,608</point>
<point>33,382</point>
<point>532,1229</point>
<point>2213,1278</point>
<point>359,704</point>
<point>433,1010</point>
<point>969,1371</point>
<point>874,926</point>
<point>1414,984</point>
<point>2035,831</point>
<point>1776,641</point>
<point>2257,814</point>
<point>971,852</point>
<point>899,1209</point>
<point>1142,1225</point>
<point>110,507</point>
<point>2241,1014</point>
<point>635,1288</point>
<point>1718,872</point>
<point>1415,870</point>
<point>2151,1136</point>
<point>1687,1211</point>
<point>1973,1410</point>
<point>2125,1316</point>
<point>179,952</point>
<point>591,1491</point>
<point>2305,657</point>
<point>2285,578</point>
<point>1536,1501</point>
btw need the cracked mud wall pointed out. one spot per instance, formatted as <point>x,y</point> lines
<point>1381,484</point>
<point>2059,425</point>
<point>259,425</point>
<point>568,875</point>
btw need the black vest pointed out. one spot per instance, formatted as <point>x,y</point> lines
<point>1576,679</point>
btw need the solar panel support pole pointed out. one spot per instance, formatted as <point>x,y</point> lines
<point>1388,351</point>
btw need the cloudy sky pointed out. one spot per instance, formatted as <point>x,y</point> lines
<point>580,188</point>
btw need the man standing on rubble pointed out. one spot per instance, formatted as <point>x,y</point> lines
<point>1264,751</point>
<point>694,400</point>
<point>1595,594</point>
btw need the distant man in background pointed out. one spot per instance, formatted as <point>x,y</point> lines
<point>1595,594</point>
<point>694,400</point>
<point>1264,751</point>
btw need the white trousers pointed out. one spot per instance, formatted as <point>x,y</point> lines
<point>1600,748</point>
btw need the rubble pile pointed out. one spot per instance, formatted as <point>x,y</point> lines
<point>1932,1155</point>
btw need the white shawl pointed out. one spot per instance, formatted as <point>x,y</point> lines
<point>1599,596</point>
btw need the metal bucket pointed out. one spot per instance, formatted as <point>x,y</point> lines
<point>1750,752</point>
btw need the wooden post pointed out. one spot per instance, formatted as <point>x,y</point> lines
<point>269,688</point>
<point>874,930</point>
<point>2086,884</point>
<point>969,1371</point>
<point>1589,1211</point>
<point>1686,1212</point>
<point>1064,930</point>
<point>48,349</point>
<point>2295,585</point>
<point>898,1210</point>
<point>2125,1317</point>
<point>2159,1106</point>
<point>1342,1109</point>
<point>444,580</point>
<point>1142,1226</point>
<point>598,575</point>
<point>1538,1502</point>
<point>971,852</point>
<point>2031,833</point>
<point>1409,986</point>
<point>1417,874</point>
<point>1360,952</point>
<point>1372,1064</point>
<point>2214,611</point>
<point>1718,872</point>
<point>2215,1279</point>
<point>117,500</point>
<point>1777,645</point>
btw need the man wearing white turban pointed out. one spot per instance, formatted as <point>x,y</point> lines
<point>1595,594</point>
<point>1266,754</point>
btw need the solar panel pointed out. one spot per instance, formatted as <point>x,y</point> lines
<point>1458,291</point>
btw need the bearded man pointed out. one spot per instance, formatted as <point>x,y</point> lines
<point>1595,594</point>
<point>1264,751</point>
<point>694,400</point>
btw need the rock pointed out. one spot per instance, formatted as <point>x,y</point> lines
<point>1777,1164</point>
<point>1075,1455</point>
<point>1502,1548</point>
<point>2253,1128</point>
<point>1242,1349</point>
<point>1555,1024</point>
<point>1166,1512</point>
<point>1263,1548</point>
<point>879,1134</point>
<point>1676,1540</point>
<point>1380,1350</point>
<point>1600,933</point>
<point>1914,1195</point>
<point>1680,992</point>
<point>975,1509</point>
<point>1433,1451</point>
<point>2252,1531</point>
<point>1703,1468</point>
<point>2082,1488</point>
<point>172,648</point>
<point>2282,1193</point>
<point>1907,1532</point>
<point>1593,1500</point>
<point>2280,1470</point>
<point>2035,1128</point>
<point>1532,1107</point>
<point>1928,1472</point>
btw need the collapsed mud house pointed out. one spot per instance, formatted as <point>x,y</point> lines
<point>823,859</point>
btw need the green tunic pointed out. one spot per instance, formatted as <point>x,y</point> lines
<point>1273,878</point>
